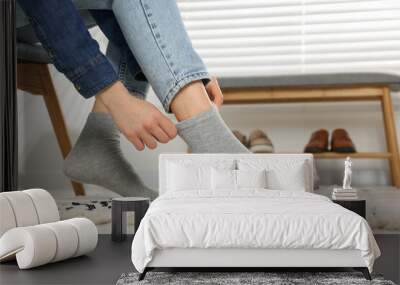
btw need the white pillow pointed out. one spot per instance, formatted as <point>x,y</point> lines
<point>251,178</point>
<point>223,179</point>
<point>293,179</point>
<point>228,179</point>
<point>184,177</point>
<point>282,174</point>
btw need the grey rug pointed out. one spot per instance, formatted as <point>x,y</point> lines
<point>243,278</point>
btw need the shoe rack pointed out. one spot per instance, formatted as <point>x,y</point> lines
<point>380,94</point>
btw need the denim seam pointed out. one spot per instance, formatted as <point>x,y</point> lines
<point>39,29</point>
<point>148,14</point>
<point>83,69</point>
<point>180,83</point>
<point>121,70</point>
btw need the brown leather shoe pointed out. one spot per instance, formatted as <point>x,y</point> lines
<point>318,142</point>
<point>341,142</point>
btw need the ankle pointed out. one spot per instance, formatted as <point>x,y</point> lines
<point>191,101</point>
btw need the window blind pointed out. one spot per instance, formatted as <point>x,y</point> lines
<point>278,37</point>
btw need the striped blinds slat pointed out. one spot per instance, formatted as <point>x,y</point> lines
<point>272,37</point>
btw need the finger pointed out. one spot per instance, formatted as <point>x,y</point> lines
<point>137,142</point>
<point>148,140</point>
<point>168,127</point>
<point>160,135</point>
<point>214,91</point>
<point>218,100</point>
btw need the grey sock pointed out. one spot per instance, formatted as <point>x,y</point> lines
<point>96,158</point>
<point>208,133</point>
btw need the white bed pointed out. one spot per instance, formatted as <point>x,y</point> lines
<point>197,224</point>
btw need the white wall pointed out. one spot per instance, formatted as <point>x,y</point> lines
<point>288,125</point>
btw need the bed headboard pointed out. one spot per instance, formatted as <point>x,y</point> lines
<point>164,159</point>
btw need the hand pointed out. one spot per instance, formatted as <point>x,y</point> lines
<point>140,121</point>
<point>214,92</point>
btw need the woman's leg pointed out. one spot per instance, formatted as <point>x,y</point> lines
<point>96,157</point>
<point>156,35</point>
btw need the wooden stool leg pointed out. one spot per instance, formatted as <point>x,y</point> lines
<point>391,136</point>
<point>57,120</point>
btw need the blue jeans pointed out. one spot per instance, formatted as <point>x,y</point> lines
<point>120,55</point>
<point>147,42</point>
<point>157,37</point>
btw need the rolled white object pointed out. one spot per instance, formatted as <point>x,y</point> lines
<point>33,246</point>
<point>37,245</point>
<point>7,218</point>
<point>23,208</point>
<point>26,208</point>
<point>46,207</point>
<point>67,240</point>
<point>87,234</point>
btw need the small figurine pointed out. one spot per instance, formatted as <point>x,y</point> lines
<point>346,192</point>
<point>347,174</point>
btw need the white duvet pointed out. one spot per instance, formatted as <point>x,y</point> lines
<point>250,219</point>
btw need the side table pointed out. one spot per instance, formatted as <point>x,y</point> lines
<point>119,207</point>
<point>357,206</point>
